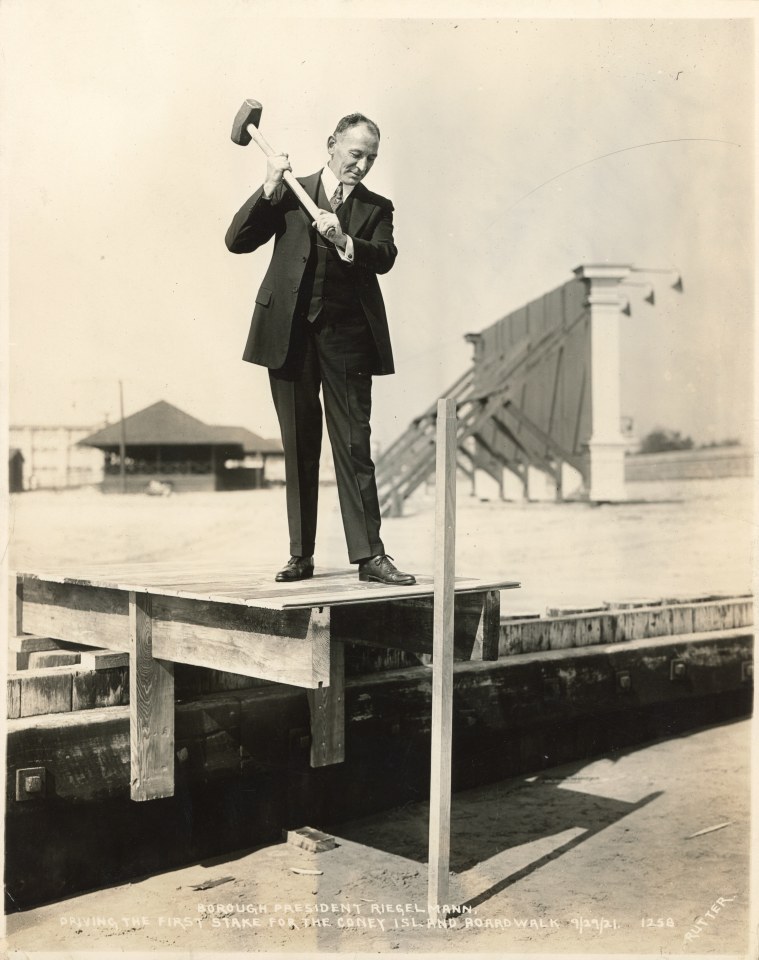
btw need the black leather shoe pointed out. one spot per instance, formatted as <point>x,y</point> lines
<point>296,568</point>
<point>381,569</point>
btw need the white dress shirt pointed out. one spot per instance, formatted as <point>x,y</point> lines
<point>330,182</point>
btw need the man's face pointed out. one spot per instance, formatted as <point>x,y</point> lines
<point>352,153</point>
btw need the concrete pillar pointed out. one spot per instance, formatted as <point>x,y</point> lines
<point>606,444</point>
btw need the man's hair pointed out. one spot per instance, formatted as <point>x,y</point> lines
<point>354,120</point>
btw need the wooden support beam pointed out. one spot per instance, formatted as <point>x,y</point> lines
<point>555,449</point>
<point>53,658</point>
<point>530,448</point>
<point>13,708</point>
<point>510,435</point>
<point>151,709</point>
<point>442,666</point>
<point>284,647</point>
<point>409,625</point>
<point>78,613</point>
<point>103,659</point>
<point>37,691</point>
<point>490,450</point>
<point>387,458</point>
<point>19,611</point>
<point>327,705</point>
<point>43,691</point>
<point>21,648</point>
<point>31,643</point>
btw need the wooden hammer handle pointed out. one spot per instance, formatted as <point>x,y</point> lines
<point>287,176</point>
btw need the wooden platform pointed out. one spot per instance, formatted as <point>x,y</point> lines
<point>244,623</point>
<point>253,586</point>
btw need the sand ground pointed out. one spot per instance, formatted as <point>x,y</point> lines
<point>594,857</point>
<point>589,858</point>
<point>689,539</point>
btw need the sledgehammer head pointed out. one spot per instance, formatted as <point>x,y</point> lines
<point>249,112</point>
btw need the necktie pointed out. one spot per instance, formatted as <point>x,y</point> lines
<point>337,197</point>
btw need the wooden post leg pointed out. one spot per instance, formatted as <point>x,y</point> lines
<point>151,708</point>
<point>327,703</point>
<point>489,627</point>
<point>442,659</point>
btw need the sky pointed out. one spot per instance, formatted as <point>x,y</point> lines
<point>514,150</point>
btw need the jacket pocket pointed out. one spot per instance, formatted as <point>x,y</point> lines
<point>263,297</point>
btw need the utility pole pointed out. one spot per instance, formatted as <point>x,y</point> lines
<point>122,444</point>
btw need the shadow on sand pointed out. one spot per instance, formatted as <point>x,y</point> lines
<point>504,818</point>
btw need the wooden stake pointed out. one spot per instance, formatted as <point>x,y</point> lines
<point>442,658</point>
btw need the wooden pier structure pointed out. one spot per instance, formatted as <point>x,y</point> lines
<point>162,614</point>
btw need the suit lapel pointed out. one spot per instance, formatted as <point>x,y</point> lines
<point>361,210</point>
<point>311,185</point>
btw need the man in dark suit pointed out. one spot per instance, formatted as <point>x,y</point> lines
<point>319,323</point>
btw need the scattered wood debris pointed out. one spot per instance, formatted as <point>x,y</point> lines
<point>310,839</point>
<point>211,883</point>
<point>717,826</point>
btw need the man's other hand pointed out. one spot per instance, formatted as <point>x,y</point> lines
<point>275,168</point>
<point>329,227</point>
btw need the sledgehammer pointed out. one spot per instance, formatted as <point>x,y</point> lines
<point>245,129</point>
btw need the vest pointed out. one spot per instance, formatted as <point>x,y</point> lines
<point>333,292</point>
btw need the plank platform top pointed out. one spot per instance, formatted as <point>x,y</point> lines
<point>251,586</point>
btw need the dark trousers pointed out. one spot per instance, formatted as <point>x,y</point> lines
<point>333,354</point>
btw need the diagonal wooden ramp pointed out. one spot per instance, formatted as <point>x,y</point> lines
<point>524,402</point>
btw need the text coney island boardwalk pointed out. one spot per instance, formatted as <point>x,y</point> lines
<point>162,614</point>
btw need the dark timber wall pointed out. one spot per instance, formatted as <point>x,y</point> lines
<point>566,688</point>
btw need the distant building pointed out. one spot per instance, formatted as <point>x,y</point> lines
<point>167,450</point>
<point>52,459</point>
<point>15,471</point>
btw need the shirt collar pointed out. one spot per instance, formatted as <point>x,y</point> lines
<point>330,182</point>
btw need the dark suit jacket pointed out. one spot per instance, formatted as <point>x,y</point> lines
<point>282,217</point>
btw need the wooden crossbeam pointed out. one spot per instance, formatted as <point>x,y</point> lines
<point>528,449</point>
<point>479,393</point>
<point>488,449</point>
<point>472,413</point>
<point>408,483</point>
<point>509,434</point>
<point>458,389</point>
<point>551,445</point>
<point>399,465</point>
<point>396,472</point>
